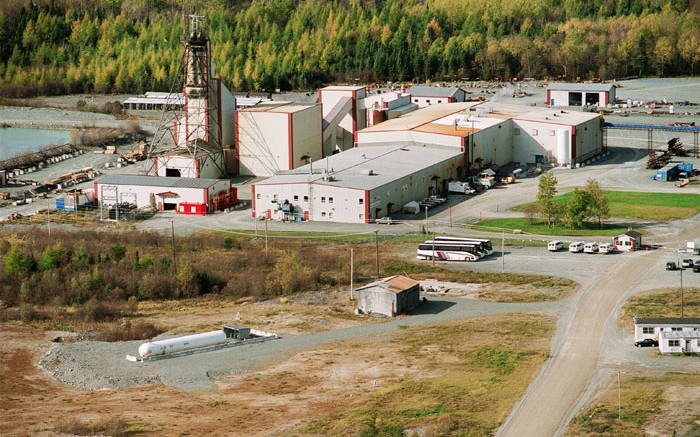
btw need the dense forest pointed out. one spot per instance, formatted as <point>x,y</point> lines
<point>131,46</point>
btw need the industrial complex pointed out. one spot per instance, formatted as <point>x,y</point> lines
<point>354,155</point>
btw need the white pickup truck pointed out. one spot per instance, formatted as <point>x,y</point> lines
<point>460,187</point>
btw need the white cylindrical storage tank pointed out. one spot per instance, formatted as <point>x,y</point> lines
<point>184,343</point>
<point>563,157</point>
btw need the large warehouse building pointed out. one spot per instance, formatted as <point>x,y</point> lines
<point>358,185</point>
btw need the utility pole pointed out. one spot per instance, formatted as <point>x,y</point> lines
<point>503,251</point>
<point>266,252</point>
<point>48,215</point>
<point>681,272</point>
<point>433,243</point>
<point>172,242</point>
<point>352,270</point>
<point>619,397</point>
<point>376,244</point>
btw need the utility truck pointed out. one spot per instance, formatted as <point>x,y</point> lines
<point>460,187</point>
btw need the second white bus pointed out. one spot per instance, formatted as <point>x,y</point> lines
<point>485,245</point>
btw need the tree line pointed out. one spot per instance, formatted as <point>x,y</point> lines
<point>132,46</point>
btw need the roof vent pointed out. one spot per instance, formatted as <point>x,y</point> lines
<point>367,172</point>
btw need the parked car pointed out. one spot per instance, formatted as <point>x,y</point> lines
<point>647,342</point>
<point>385,221</point>
<point>576,247</point>
<point>591,247</point>
<point>555,246</point>
<point>605,248</point>
<point>696,268</point>
<point>671,266</point>
<point>687,263</point>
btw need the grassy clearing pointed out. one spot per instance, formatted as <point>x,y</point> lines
<point>660,303</point>
<point>642,206</point>
<point>472,372</point>
<point>642,404</point>
<point>540,228</point>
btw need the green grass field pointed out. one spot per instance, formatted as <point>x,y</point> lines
<point>644,206</point>
<point>623,205</point>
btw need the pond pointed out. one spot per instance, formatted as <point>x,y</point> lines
<point>15,141</point>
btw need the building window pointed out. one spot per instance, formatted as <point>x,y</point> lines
<point>330,200</point>
<point>361,201</point>
<point>516,131</point>
<point>296,197</point>
<point>427,101</point>
<point>439,101</point>
<point>361,217</point>
<point>330,215</point>
<point>323,214</point>
<point>674,343</point>
<point>551,133</point>
<point>306,198</point>
<point>323,199</point>
<point>257,196</point>
<point>647,330</point>
<point>676,329</point>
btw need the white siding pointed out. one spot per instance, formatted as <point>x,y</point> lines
<point>263,142</point>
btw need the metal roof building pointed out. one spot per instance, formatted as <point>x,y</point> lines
<point>426,95</point>
<point>389,296</point>
<point>580,94</point>
<point>164,193</point>
<point>358,185</point>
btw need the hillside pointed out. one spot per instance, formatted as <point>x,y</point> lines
<point>130,46</point>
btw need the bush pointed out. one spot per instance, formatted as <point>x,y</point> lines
<point>114,427</point>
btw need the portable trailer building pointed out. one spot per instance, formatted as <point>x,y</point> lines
<point>163,193</point>
<point>628,242</point>
<point>389,296</point>
<point>674,334</point>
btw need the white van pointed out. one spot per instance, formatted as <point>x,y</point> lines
<point>555,246</point>
<point>591,247</point>
<point>576,247</point>
<point>604,248</point>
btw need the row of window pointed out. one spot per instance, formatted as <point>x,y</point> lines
<point>651,329</point>
<point>329,199</point>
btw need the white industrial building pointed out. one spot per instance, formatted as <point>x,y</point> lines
<point>580,94</point>
<point>358,185</point>
<point>344,113</point>
<point>387,106</point>
<point>200,195</point>
<point>277,136</point>
<point>389,296</point>
<point>410,157</point>
<point>496,133</point>
<point>427,95</point>
<point>674,334</point>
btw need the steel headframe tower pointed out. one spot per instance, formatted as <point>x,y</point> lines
<point>191,129</point>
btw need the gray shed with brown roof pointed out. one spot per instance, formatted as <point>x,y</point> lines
<point>389,296</point>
